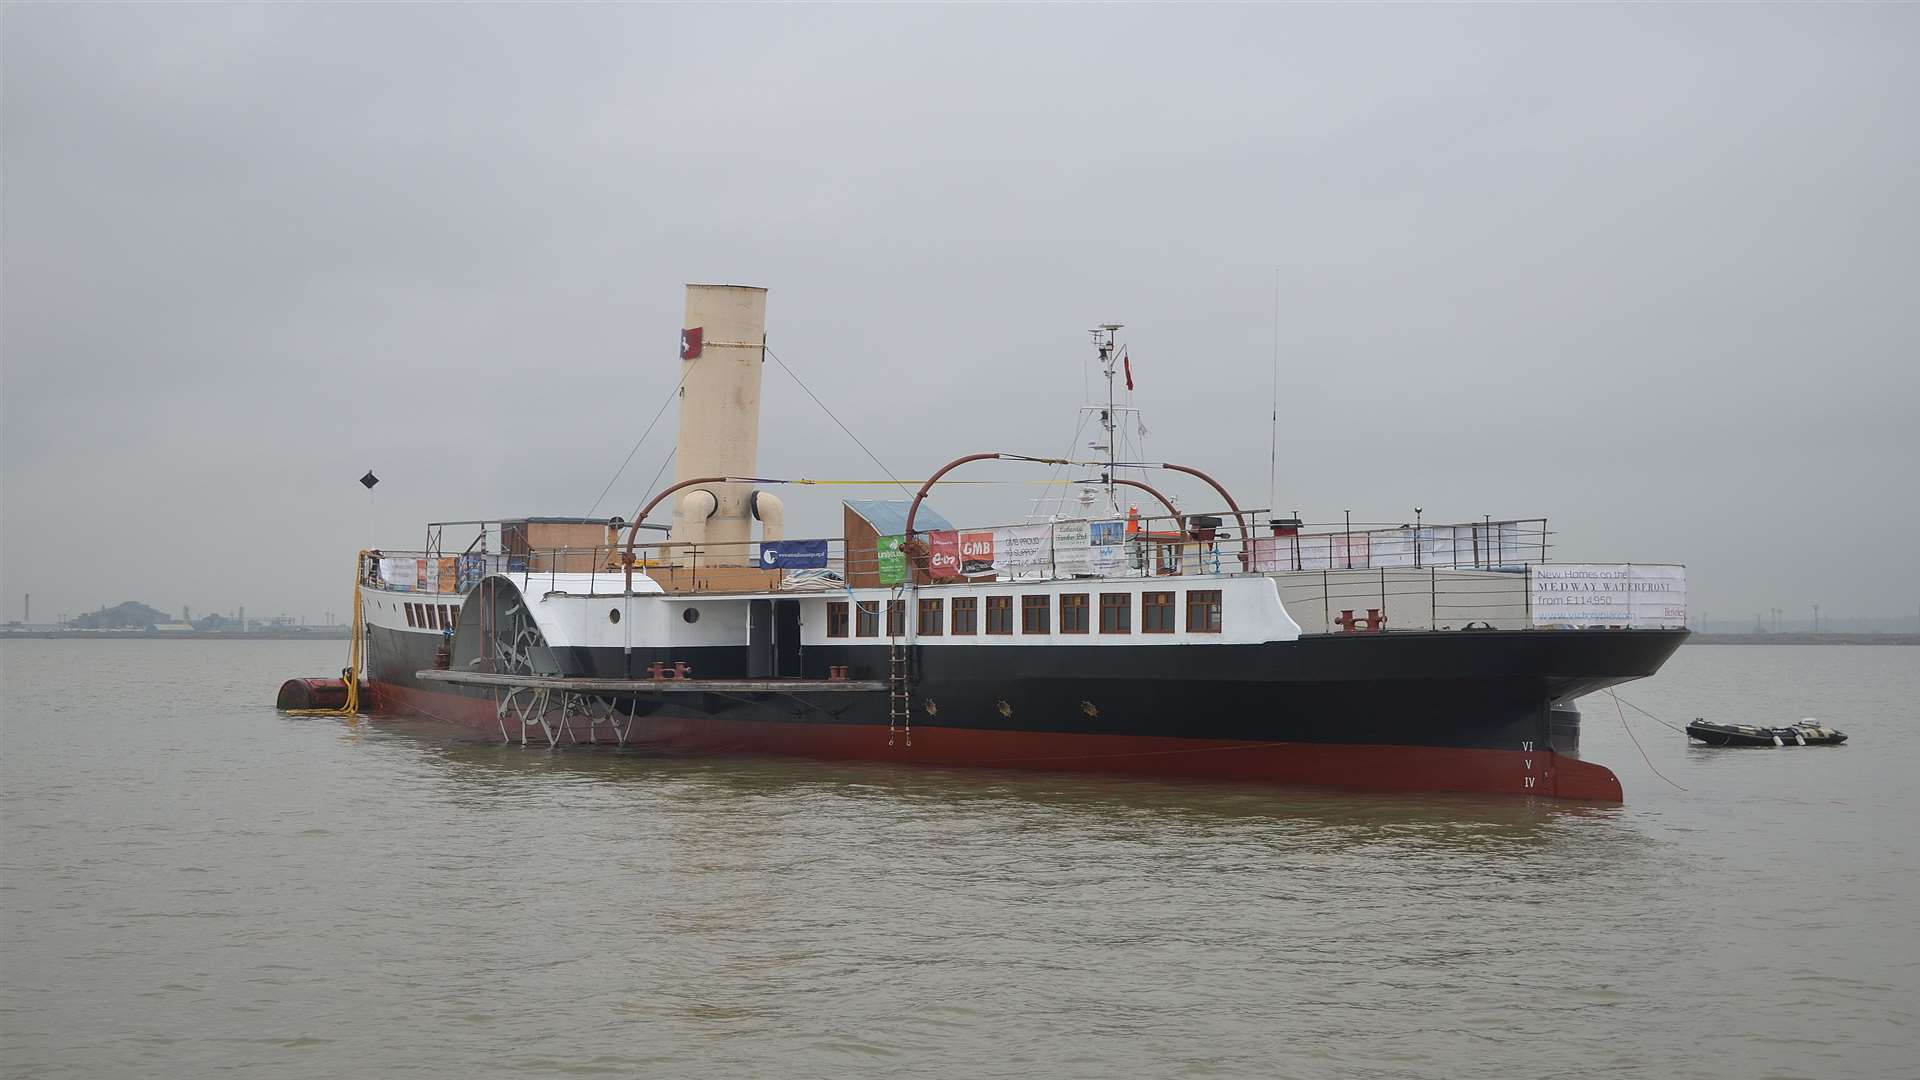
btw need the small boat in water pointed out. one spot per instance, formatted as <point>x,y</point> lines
<point>1807,732</point>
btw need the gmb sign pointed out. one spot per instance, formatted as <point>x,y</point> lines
<point>1608,594</point>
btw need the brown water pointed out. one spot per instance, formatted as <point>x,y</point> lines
<point>193,884</point>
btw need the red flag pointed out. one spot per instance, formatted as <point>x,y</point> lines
<point>1127,362</point>
<point>690,342</point>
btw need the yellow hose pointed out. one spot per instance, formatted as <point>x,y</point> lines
<point>351,676</point>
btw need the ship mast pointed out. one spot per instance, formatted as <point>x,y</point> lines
<point>1103,342</point>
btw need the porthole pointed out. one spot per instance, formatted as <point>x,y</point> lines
<point>613,615</point>
<point>691,615</point>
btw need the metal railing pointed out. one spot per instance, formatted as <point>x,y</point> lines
<point>1132,547</point>
<point>1332,578</point>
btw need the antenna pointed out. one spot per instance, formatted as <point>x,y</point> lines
<point>1273,418</point>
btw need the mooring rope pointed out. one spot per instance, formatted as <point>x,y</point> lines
<point>1636,739</point>
<point>1617,698</point>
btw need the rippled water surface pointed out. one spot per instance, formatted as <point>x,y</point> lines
<point>192,884</point>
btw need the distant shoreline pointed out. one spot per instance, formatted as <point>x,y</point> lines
<point>1804,639</point>
<point>327,633</point>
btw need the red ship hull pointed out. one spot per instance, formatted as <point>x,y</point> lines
<point>1332,765</point>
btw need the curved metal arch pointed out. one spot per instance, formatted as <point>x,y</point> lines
<point>913,508</point>
<point>633,530</point>
<point>1172,511</point>
<point>1246,531</point>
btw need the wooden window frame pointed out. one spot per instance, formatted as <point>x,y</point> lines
<point>412,619</point>
<point>839,619</point>
<point>1027,609</point>
<point>866,618</point>
<point>935,607</point>
<point>896,618</point>
<point>453,617</point>
<point>1153,602</point>
<point>1197,602</point>
<point>1002,605</point>
<point>1124,607</point>
<point>1084,607</point>
<point>970,605</point>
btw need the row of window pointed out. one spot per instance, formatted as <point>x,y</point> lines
<point>1036,615</point>
<point>432,616</point>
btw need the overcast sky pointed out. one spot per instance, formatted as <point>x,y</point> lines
<point>1649,272</point>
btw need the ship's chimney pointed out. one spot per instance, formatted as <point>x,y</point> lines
<point>722,353</point>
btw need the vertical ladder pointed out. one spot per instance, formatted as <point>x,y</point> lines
<point>899,694</point>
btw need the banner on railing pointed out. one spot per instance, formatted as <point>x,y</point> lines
<point>976,552</point>
<point>471,569</point>
<point>398,573</point>
<point>943,555</point>
<point>449,574</point>
<point>1024,551</point>
<point>1608,594</point>
<point>1108,542</point>
<point>1072,548</point>
<point>793,554</point>
<point>892,559</point>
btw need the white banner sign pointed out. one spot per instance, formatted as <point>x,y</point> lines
<point>1023,551</point>
<point>1109,546</point>
<point>1072,551</point>
<point>1608,594</point>
<point>399,573</point>
<point>1393,548</point>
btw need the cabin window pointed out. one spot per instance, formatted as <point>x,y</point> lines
<point>999,614</point>
<point>453,618</point>
<point>1156,613</point>
<point>434,615</point>
<point>1073,613</point>
<point>966,616</point>
<point>933,617</point>
<point>410,619</point>
<point>867,618</point>
<point>1203,611</point>
<point>446,617</point>
<point>1035,613</point>
<point>836,618</point>
<point>896,618</point>
<point>1116,613</point>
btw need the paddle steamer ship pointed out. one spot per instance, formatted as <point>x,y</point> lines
<point>1202,645</point>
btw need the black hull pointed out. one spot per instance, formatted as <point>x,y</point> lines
<point>1457,689</point>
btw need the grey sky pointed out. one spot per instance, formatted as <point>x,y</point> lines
<point>1649,272</point>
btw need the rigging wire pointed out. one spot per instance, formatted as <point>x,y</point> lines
<point>662,411</point>
<point>664,462</point>
<point>1053,476</point>
<point>1636,740</point>
<point>836,419</point>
